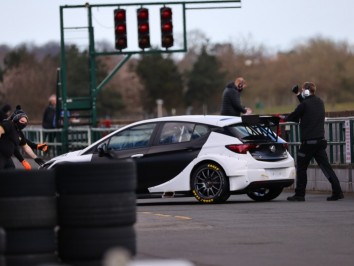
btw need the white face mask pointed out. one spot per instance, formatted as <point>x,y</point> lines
<point>305,93</point>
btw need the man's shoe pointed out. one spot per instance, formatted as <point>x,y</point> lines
<point>335,197</point>
<point>296,198</point>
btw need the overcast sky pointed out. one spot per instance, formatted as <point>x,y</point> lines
<point>277,24</point>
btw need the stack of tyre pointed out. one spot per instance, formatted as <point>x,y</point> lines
<point>28,218</point>
<point>96,210</point>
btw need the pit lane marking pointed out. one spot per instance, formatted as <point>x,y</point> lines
<point>168,215</point>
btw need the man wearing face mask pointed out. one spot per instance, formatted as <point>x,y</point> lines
<point>231,99</point>
<point>310,113</point>
<point>11,137</point>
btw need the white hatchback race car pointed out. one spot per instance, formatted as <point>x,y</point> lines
<point>209,157</point>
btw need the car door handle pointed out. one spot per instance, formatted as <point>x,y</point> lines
<point>139,155</point>
<point>191,148</point>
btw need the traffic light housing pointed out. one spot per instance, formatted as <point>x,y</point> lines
<point>166,27</point>
<point>143,28</point>
<point>120,29</point>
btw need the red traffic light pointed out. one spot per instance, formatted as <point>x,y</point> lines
<point>119,15</point>
<point>144,28</point>
<point>167,27</point>
<point>143,14</point>
<point>121,29</point>
<point>166,13</point>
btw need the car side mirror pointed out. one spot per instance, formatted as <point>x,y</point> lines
<point>102,149</point>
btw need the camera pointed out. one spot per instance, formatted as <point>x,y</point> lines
<point>295,89</point>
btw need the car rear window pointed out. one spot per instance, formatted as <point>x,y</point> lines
<point>251,133</point>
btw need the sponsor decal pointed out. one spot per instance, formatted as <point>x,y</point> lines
<point>196,195</point>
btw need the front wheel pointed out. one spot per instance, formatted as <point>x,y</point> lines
<point>264,194</point>
<point>209,184</point>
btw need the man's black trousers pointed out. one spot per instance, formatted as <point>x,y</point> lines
<point>314,149</point>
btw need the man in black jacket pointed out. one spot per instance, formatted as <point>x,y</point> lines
<point>231,99</point>
<point>11,137</point>
<point>48,121</point>
<point>310,113</point>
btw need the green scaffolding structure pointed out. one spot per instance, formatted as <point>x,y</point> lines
<point>66,105</point>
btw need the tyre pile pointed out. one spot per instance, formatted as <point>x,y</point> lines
<point>28,217</point>
<point>72,215</point>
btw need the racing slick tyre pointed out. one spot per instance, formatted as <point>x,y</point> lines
<point>209,184</point>
<point>96,178</point>
<point>21,183</point>
<point>30,241</point>
<point>93,243</point>
<point>31,259</point>
<point>2,241</point>
<point>265,194</point>
<point>2,260</point>
<point>28,212</point>
<point>97,210</point>
<point>81,263</point>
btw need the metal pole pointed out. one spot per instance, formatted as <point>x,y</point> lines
<point>113,72</point>
<point>62,73</point>
<point>92,60</point>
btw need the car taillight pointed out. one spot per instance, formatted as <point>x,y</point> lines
<point>241,148</point>
<point>285,145</point>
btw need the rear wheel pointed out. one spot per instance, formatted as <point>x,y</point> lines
<point>209,184</point>
<point>265,194</point>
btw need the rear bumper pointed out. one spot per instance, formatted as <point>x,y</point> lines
<point>265,184</point>
<point>262,178</point>
<point>270,184</point>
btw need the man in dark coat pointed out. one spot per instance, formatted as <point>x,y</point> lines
<point>11,137</point>
<point>48,121</point>
<point>310,113</point>
<point>231,99</point>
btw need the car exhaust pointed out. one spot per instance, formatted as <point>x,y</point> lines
<point>168,194</point>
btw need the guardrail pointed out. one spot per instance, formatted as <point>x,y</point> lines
<point>339,133</point>
<point>60,142</point>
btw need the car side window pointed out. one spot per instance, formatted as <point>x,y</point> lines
<point>176,132</point>
<point>200,131</point>
<point>134,137</point>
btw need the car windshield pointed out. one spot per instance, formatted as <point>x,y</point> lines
<point>251,133</point>
<point>134,137</point>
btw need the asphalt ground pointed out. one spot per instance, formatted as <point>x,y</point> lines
<point>244,232</point>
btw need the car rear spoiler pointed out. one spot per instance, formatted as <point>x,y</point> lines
<point>268,121</point>
<point>264,120</point>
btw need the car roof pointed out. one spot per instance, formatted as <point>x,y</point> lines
<point>215,120</point>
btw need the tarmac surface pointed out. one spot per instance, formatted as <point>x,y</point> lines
<point>244,232</point>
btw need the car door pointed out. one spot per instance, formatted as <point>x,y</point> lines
<point>175,145</point>
<point>132,143</point>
